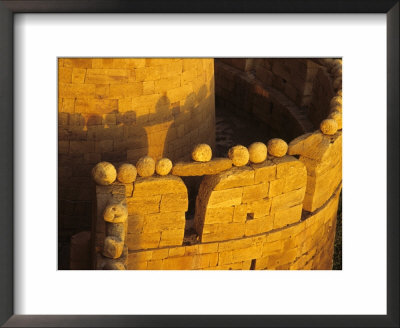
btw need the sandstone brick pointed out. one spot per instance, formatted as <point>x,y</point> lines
<point>259,208</point>
<point>144,204</point>
<point>104,146</point>
<point>288,165</point>
<point>171,237</point>
<point>78,62</point>
<point>208,248</point>
<point>246,253</point>
<point>148,88</point>
<point>235,244</point>
<point>263,172</point>
<point>224,198</point>
<point>154,265</point>
<point>67,105</point>
<point>311,145</point>
<point>287,216</point>
<point>140,256</point>
<point>174,202</point>
<point>160,254</point>
<point>106,76</point>
<point>163,85</point>
<point>136,241</point>
<point>176,251</point>
<point>287,200</point>
<point>259,225</point>
<point>64,75</point>
<point>131,90</point>
<point>137,266</point>
<point>96,106</point>
<point>178,263</point>
<point>276,187</point>
<point>68,90</point>
<point>295,181</point>
<point>159,185</point>
<point>224,232</point>
<point>219,215</point>
<point>255,192</point>
<point>240,213</point>
<point>78,75</point>
<point>135,223</point>
<point>180,93</point>
<point>171,221</point>
<point>147,74</point>
<point>201,168</point>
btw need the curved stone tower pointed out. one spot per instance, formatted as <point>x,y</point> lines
<point>120,109</point>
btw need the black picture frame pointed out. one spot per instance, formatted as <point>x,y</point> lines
<point>7,199</point>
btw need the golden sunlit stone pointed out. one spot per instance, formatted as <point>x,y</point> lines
<point>202,153</point>
<point>113,247</point>
<point>329,126</point>
<point>337,116</point>
<point>126,173</point>
<point>277,147</point>
<point>145,166</point>
<point>163,166</point>
<point>257,152</point>
<point>239,155</point>
<point>104,173</point>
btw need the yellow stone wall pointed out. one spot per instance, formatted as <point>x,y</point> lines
<point>279,214</point>
<point>120,109</point>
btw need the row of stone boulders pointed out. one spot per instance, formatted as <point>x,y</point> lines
<point>333,122</point>
<point>104,173</point>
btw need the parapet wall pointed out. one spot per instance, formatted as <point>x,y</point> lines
<point>120,109</point>
<point>253,210</point>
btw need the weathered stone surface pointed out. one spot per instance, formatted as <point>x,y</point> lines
<point>235,177</point>
<point>114,266</point>
<point>157,186</point>
<point>259,208</point>
<point>337,116</point>
<point>104,173</point>
<point>311,145</point>
<point>163,166</point>
<point>257,152</point>
<point>126,173</point>
<point>264,172</point>
<point>336,108</point>
<point>224,198</point>
<point>174,202</point>
<point>214,166</point>
<point>339,93</point>
<point>277,147</point>
<point>336,101</point>
<point>260,225</point>
<point>202,153</point>
<point>146,166</point>
<point>255,192</point>
<point>144,204</point>
<point>115,213</point>
<point>113,247</point>
<point>239,155</point>
<point>287,216</point>
<point>288,165</point>
<point>329,126</point>
<point>219,215</point>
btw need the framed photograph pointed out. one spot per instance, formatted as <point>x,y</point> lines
<point>183,165</point>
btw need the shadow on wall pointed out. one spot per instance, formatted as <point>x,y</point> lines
<point>86,139</point>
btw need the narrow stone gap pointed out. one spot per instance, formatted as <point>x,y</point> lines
<point>253,264</point>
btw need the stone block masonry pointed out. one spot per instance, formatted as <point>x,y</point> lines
<point>120,109</point>
<point>258,209</point>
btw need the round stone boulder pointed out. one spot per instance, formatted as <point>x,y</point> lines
<point>329,126</point>
<point>202,153</point>
<point>339,93</point>
<point>239,155</point>
<point>257,152</point>
<point>145,166</point>
<point>337,116</point>
<point>163,166</point>
<point>277,147</point>
<point>336,101</point>
<point>104,173</point>
<point>126,173</point>
<point>337,83</point>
